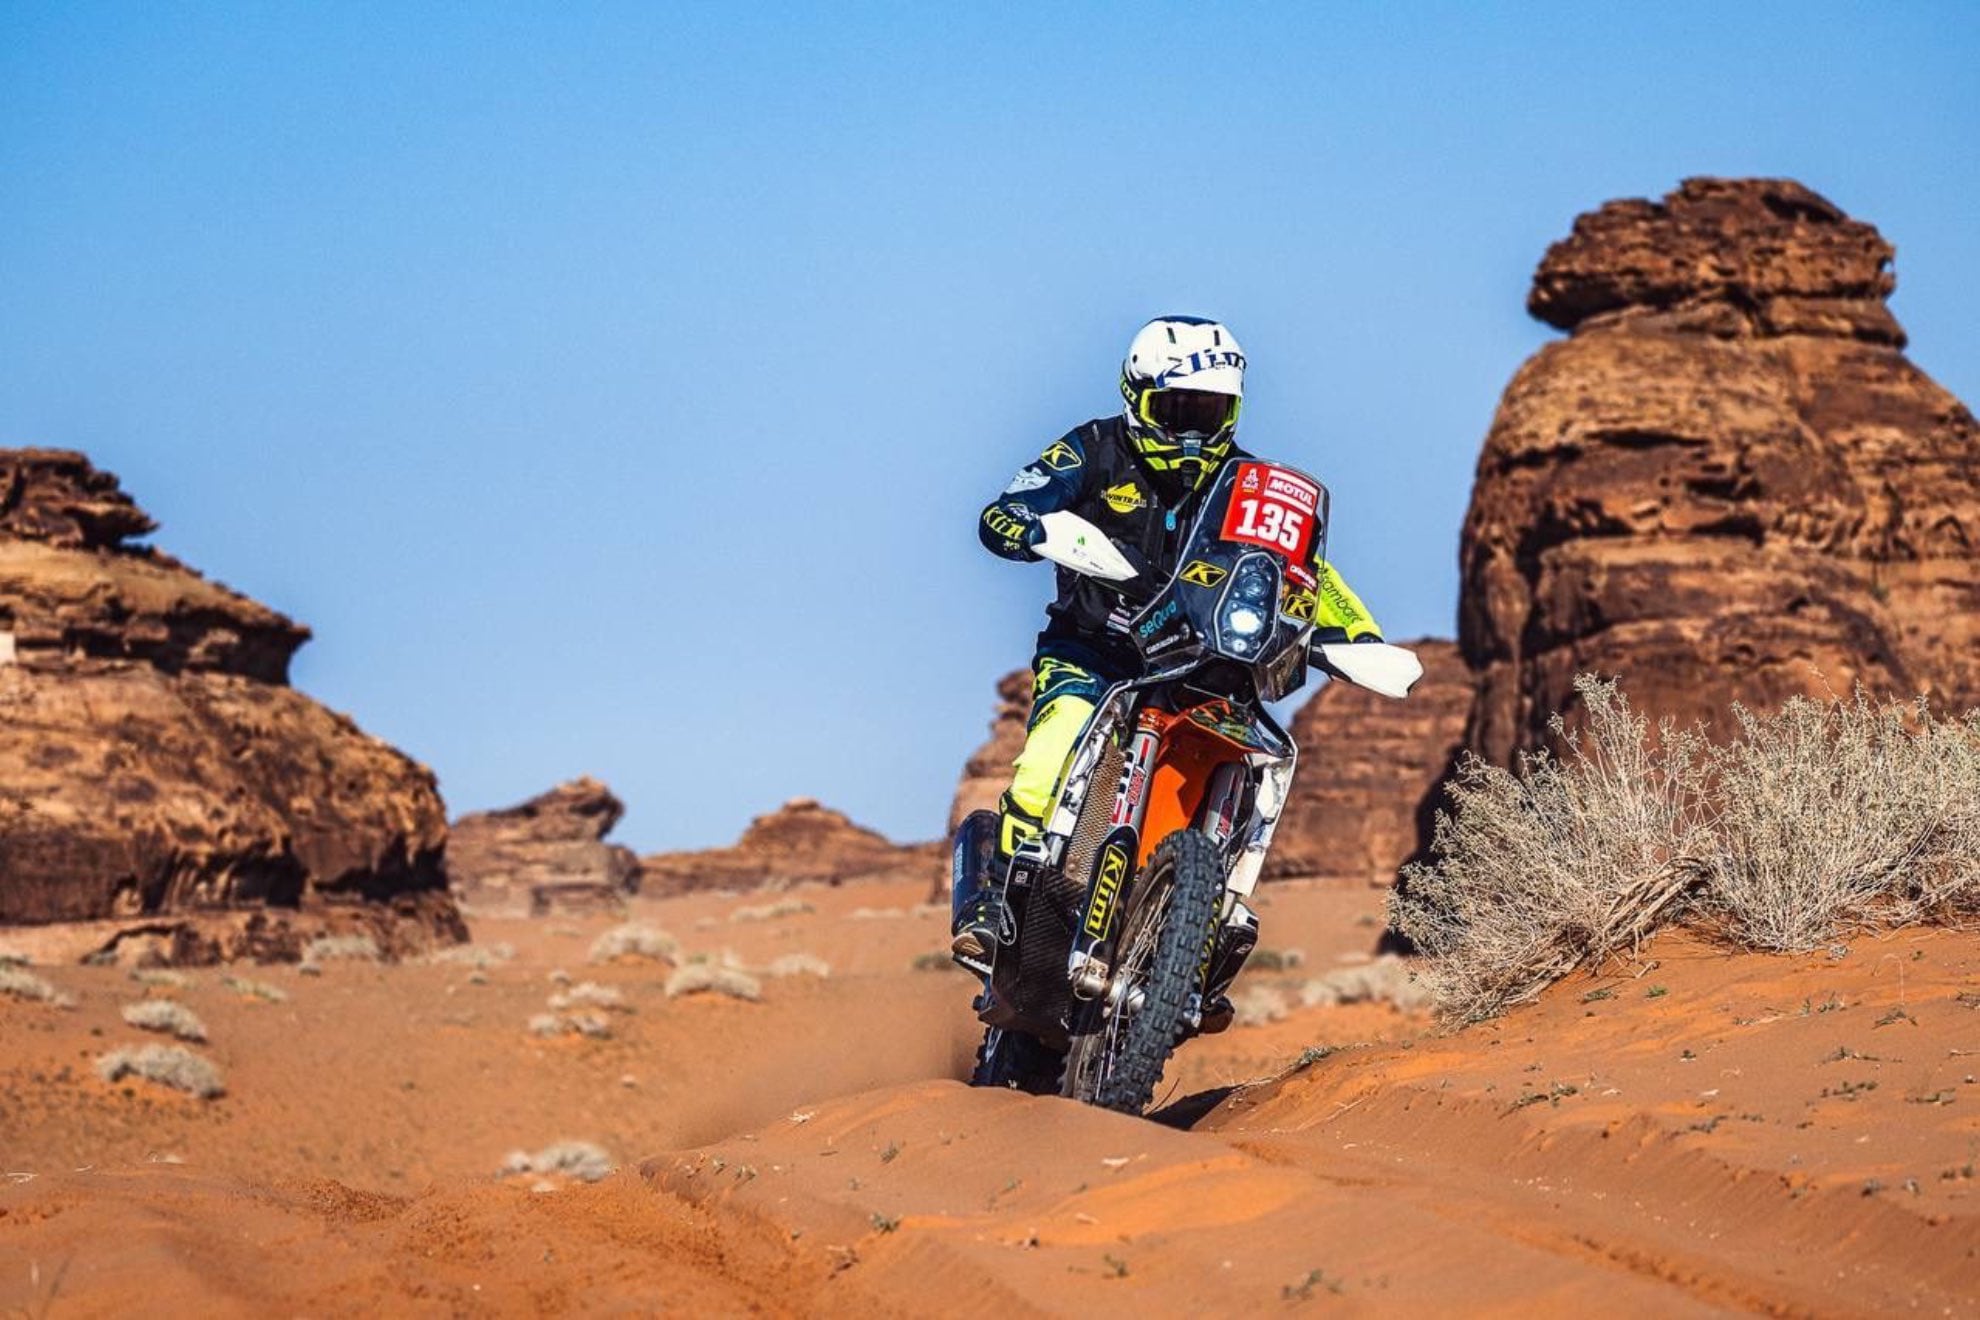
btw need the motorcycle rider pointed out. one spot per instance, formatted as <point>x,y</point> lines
<point>1138,476</point>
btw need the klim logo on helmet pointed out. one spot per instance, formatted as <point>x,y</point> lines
<point>1196,362</point>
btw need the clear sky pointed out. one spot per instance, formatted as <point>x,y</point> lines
<point>613,388</point>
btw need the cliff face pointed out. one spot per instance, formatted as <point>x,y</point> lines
<point>156,770</point>
<point>547,854</point>
<point>1727,483</point>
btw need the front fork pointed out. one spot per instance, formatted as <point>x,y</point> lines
<point>1088,964</point>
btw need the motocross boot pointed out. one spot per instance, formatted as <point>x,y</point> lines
<point>981,917</point>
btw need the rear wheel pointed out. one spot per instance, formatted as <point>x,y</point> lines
<point>1123,1039</point>
<point>1018,1062</point>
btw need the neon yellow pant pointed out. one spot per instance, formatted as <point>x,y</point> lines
<point>1064,695</point>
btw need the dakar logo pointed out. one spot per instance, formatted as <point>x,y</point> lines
<point>1200,573</point>
<point>1124,498</point>
<point>1061,456</point>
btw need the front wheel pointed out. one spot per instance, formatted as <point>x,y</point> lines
<point>1123,1039</point>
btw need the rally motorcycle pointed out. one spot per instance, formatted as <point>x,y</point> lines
<point>1124,922</point>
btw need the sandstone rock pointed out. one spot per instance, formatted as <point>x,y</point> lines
<point>156,771</point>
<point>801,841</point>
<point>1728,483</point>
<point>548,853</point>
<point>1367,765</point>
<point>987,773</point>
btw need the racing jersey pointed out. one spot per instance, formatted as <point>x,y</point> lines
<point>1092,471</point>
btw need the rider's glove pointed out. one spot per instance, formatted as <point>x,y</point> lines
<point>1368,637</point>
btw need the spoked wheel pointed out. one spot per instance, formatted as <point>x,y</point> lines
<point>1123,1039</point>
<point>1018,1062</point>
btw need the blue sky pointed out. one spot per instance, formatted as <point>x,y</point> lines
<point>613,387</point>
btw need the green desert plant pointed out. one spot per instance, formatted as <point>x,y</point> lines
<point>167,1016</point>
<point>168,1065</point>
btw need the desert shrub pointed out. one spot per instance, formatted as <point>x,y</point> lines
<point>592,995</point>
<point>571,1159</point>
<point>327,948</point>
<point>783,907</point>
<point>168,1016</point>
<point>168,1065</point>
<point>799,964</point>
<point>705,977</point>
<point>1833,815</point>
<point>480,957</point>
<point>159,978</point>
<point>1258,1005</point>
<point>1804,823</point>
<point>241,985</point>
<point>635,940</point>
<point>1564,862</point>
<point>1386,980</point>
<point>1274,960</point>
<point>17,981</point>
<point>593,1025</point>
<point>876,914</point>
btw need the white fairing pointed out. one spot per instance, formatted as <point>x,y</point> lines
<point>1075,543</point>
<point>1377,666</point>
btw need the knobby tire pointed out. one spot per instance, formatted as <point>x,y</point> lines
<point>1183,887</point>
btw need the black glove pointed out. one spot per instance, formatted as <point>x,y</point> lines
<point>1368,637</point>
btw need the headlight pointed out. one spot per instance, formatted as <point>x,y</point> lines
<point>1245,617</point>
<point>1243,620</point>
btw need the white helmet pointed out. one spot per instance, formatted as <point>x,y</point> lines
<point>1183,382</point>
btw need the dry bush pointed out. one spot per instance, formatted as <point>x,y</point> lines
<point>703,977</point>
<point>156,978</point>
<point>1563,863</point>
<point>480,957</point>
<point>1805,823</point>
<point>636,940</point>
<point>783,907</point>
<point>799,964</point>
<point>169,1065</point>
<point>327,948</point>
<point>570,1159</point>
<point>590,994</point>
<point>168,1016</point>
<point>241,985</point>
<point>1258,1005</point>
<point>17,981</point>
<point>592,1025</point>
<point>1387,979</point>
<point>1837,814</point>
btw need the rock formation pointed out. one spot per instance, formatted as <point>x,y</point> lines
<point>1727,483</point>
<point>800,841</point>
<point>987,773</point>
<point>157,773</point>
<point>545,855</point>
<point>1366,770</point>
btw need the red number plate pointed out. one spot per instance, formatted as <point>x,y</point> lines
<point>1273,507</point>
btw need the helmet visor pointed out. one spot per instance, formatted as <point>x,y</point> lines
<point>1189,412</point>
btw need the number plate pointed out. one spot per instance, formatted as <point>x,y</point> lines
<point>1274,507</point>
